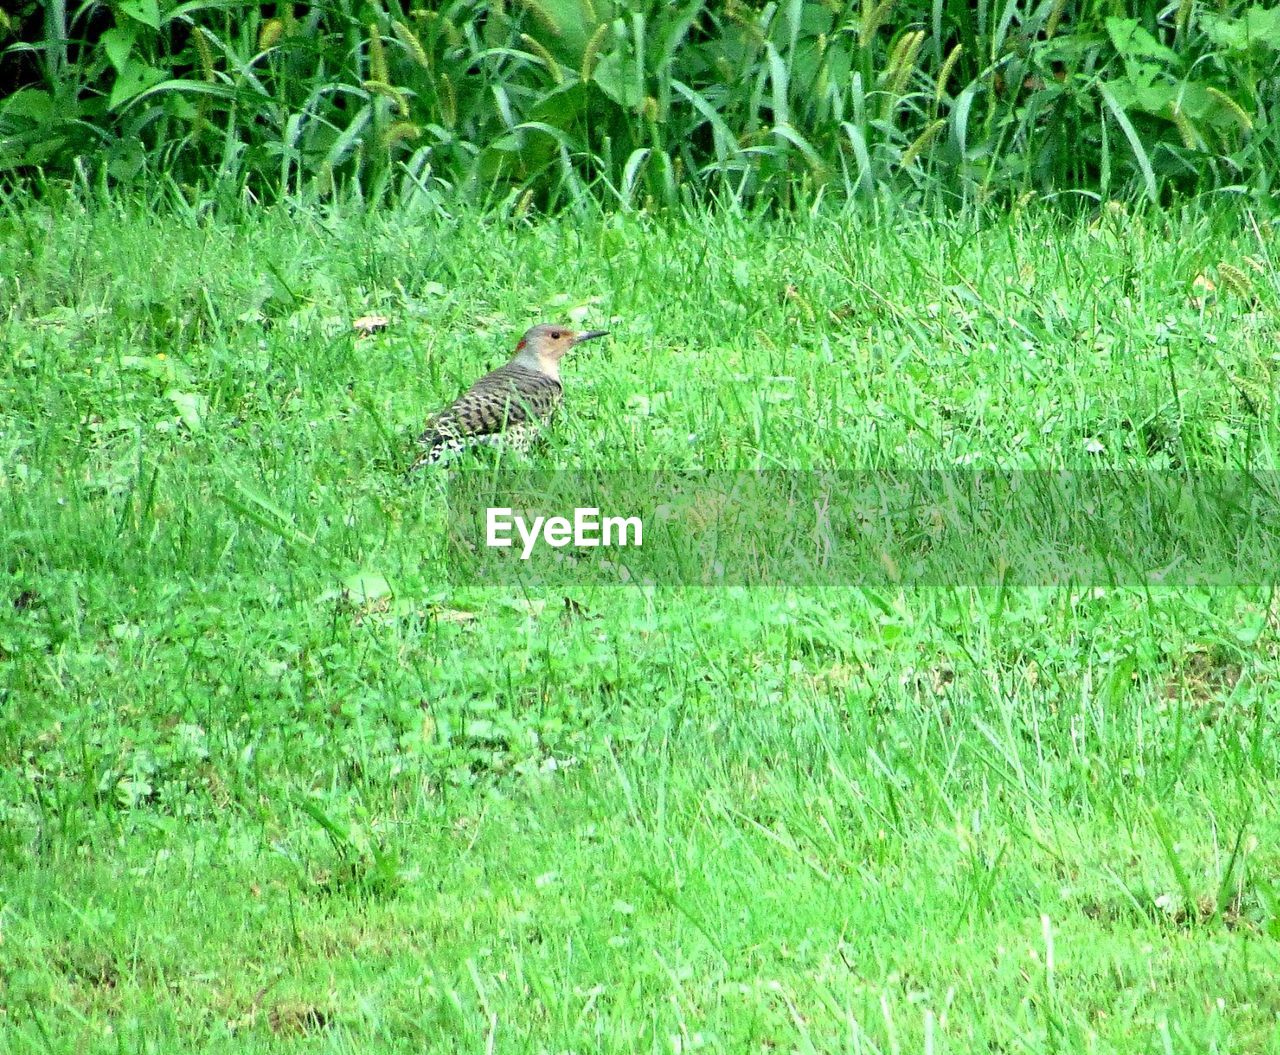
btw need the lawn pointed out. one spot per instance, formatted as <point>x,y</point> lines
<point>277,773</point>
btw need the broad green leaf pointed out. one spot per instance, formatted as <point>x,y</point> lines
<point>190,407</point>
<point>1258,27</point>
<point>367,586</point>
<point>508,144</point>
<point>562,27</point>
<point>1149,98</point>
<point>136,78</point>
<point>118,43</point>
<point>1134,42</point>
<point>145,11</point>
<point>560,108</point>
<point>29,102</point>
<point>613,75</point>
<point>178,106</point>
<point>35,147</point>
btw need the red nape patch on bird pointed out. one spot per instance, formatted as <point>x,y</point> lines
<point>520,346</point>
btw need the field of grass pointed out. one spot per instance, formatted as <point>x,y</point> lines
<point>275,776</point>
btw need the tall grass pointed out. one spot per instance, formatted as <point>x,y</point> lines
<point>642,103</point>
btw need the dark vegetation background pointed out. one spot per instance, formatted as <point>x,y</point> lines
<point>644,103</point>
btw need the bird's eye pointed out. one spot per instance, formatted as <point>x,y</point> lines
<point>556,335</point>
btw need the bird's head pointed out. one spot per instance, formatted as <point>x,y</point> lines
<point>542,347</point>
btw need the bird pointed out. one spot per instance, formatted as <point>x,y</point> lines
<point>508,404</point>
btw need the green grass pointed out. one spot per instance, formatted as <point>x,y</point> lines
<point>275,776</point>
<point>575,104</point>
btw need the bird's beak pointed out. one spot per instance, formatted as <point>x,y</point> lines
<point>590,335</point>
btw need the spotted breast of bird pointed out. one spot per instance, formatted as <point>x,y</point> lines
<point>509,404</point>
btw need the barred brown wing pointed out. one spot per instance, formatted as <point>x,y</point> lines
<point>511,395</point>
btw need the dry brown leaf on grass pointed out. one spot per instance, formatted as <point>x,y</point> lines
<point>250,1017</point>
<point>370,324</point>
<point>295,1017</point>
<point>1203,292</point>
<point>452,615</point>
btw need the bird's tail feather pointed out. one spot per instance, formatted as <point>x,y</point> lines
<point>435,447</point>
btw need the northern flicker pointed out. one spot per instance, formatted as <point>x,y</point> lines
<point>508,404</point>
